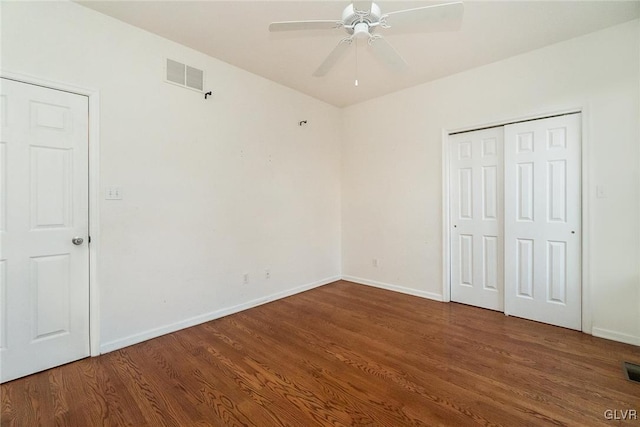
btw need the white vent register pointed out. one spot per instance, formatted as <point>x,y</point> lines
<point>183,75</point>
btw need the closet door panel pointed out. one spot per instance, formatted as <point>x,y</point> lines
<point>476,218</point>
<point>542,220</point>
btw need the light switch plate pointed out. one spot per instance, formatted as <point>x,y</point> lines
<point>113,193</point>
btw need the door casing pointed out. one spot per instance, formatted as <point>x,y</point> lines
<point>585,192</point>
<point>94,192</point>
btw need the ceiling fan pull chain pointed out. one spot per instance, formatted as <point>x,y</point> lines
<point>356,63</point>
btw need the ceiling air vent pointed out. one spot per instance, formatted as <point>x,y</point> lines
<point>184,75</point>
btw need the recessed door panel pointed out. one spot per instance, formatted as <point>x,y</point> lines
<point>464,150</point>
<point>51,187</point>
<point>50,284</point>
<point>557,191</point>
<point>557,272</point>
<point>466,193</point>
<point>466,260</point>
<point>490,192</point>
<point>524,142</point>
<point>490,264</point>
<point>557,138</point>
<point>489,147</point>
<point>524,195</point>
<point>524,267</point>
<point>50,116</point>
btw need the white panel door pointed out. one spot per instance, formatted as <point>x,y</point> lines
<point>542,220</point>
<point>44,276</point>
<point>476,218</point>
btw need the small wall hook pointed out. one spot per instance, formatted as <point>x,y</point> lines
<point>207,94</point>
<point>303,122</point>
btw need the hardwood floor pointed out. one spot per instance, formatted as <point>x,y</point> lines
<point>342,354</point>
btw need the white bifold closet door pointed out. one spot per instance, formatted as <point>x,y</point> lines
<point>515,212</point>
<point>476,218</point>
<point>542,220</point>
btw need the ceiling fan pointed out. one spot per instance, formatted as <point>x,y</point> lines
<point>361,19</point>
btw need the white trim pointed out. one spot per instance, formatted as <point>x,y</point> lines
<point>206,317</point>
<point>94,221</point>
<point>94,186</point>
<point>395,288</point>
<point>586,321</point>
<point>446,230</point>
<point>615,336</point>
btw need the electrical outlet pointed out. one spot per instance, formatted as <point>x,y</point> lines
<point>267,274</point>
<point>245,279</point>
<point>374,262</point>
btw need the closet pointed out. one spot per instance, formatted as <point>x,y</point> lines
<point>515,214</point>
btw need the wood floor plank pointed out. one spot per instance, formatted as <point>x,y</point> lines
<point>341,354</point>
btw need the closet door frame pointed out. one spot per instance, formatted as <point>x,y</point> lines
<point>586,191</point>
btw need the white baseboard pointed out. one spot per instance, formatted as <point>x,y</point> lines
<point>395,288</point>
<point>615,336</point>
<point>196,320</point>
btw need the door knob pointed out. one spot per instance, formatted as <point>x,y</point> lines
<point>77,241</point>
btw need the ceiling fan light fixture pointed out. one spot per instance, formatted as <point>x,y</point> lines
<point>361,30</point>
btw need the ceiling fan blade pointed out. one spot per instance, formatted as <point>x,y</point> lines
<point>304,25</point>
<point>386,53</point>
<point>439,17</point>
<point>362,5</point>
<point>333,57</point>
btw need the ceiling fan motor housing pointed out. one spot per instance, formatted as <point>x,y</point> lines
<point>359,22</point>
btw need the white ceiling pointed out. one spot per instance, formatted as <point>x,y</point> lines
<point>237,32</point>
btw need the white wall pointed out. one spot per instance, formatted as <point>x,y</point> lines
<point>212,189</point>
<point>392,166</point>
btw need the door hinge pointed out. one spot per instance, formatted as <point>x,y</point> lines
<point>89,239</point>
